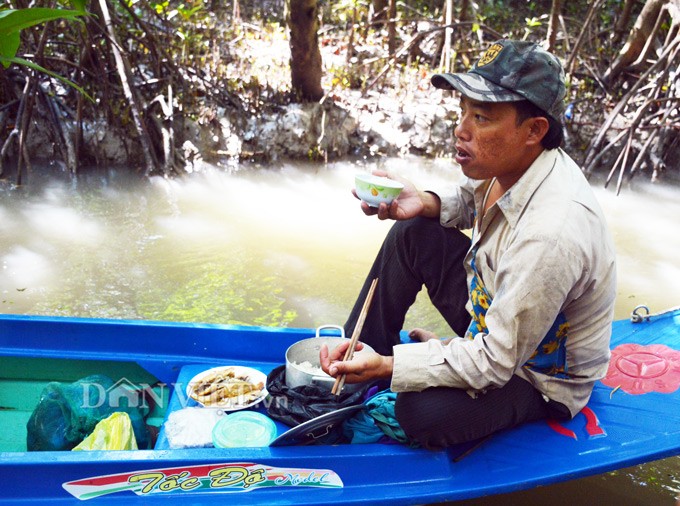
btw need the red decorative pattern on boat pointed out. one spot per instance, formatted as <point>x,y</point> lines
<point>561,429</point>
<point>640,369</point>
<point>592,423</point>
<point>592,426</point>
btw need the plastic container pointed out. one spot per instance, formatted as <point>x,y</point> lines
<point>244,429</point>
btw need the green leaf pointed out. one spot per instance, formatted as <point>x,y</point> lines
<point>20,61</point>
<point>79,4</point>
<point>533,22</point>
<point>9,44</point>
<point>15,20</point>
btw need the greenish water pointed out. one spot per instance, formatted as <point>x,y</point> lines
<point>280,246</point>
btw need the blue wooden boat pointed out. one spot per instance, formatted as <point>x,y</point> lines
<point>633,417</point>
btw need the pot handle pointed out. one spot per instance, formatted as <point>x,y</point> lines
<point>322,380</point>
<point>337,327</point>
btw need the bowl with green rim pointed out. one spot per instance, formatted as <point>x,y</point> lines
<point>375,190</point>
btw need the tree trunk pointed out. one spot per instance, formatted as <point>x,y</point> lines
<point>124,73</point>
<point>305,57</point>
<point>6,96</point>
<point>555,12</point>
<point>592,10</point>
<point>643,29</point>
<point>236,14</point>
<point>379,12</point>
<point>392,28</point>
<point>622,22</point>
<point>464,8</point>
<point>445,63</point>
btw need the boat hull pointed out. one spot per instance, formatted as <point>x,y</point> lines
<point>617,430</point>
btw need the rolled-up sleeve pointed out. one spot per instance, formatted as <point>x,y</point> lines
<point>418,366</point>
<point>457,204</point>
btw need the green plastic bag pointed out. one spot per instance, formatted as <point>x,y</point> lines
<point>68,413</point>
<point>112,433</point>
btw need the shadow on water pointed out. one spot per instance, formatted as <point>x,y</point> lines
<point>282,246</point>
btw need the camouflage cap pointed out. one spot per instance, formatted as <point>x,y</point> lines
<point>510,71</point>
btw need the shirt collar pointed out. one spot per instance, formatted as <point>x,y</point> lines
<point>515,199</point>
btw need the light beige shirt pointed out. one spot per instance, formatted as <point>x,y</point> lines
<point>544,248</point>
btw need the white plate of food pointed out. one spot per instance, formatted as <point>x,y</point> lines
<point>228,388</point>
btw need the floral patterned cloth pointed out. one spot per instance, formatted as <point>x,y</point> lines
<point>551,355</point>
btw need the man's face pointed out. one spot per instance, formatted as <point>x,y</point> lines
<point>490,143</point>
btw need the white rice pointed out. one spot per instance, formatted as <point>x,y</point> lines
<point>310,368</point>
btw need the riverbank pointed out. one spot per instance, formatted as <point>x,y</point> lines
<point>401,114</point>
<point>371,109</point>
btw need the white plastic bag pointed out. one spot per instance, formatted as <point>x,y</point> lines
<point>191,427</point>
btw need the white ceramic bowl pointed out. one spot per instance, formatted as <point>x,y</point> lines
<point>376,189</point>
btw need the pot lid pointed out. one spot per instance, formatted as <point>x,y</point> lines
<point>307,432</point>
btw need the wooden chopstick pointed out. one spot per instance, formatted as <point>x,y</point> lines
<point>349,353</point>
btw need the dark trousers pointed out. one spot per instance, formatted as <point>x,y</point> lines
<point>416,253</point>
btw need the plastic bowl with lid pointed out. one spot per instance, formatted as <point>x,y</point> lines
<point>244,429</point>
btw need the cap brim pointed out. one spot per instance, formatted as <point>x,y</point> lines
<point>475,87</point>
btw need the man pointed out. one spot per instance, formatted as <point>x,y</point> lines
<point>538,276</point>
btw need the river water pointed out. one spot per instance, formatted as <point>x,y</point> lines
<point>283,245</point>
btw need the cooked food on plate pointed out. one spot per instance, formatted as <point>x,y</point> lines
<point>226,386</point>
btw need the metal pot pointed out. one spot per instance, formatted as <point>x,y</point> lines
<point>307,350</point>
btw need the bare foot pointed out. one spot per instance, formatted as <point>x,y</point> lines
<point>422,335</point>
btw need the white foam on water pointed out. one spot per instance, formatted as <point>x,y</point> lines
<point>22,268</point>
